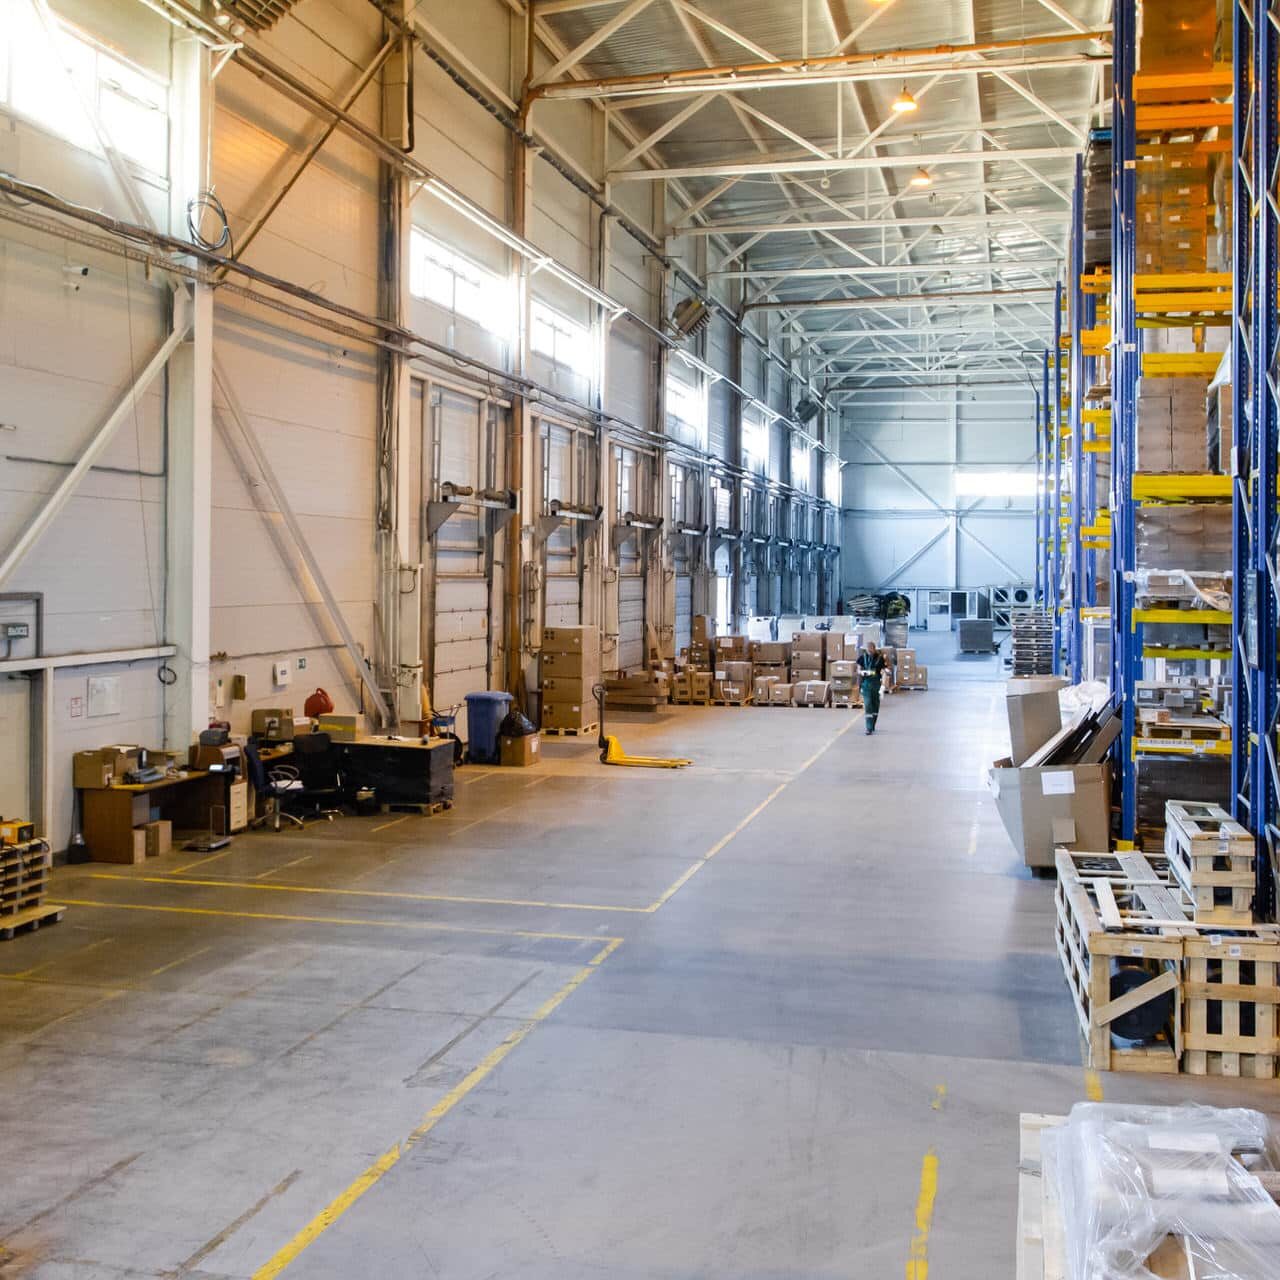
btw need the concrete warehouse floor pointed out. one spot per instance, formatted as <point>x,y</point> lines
<point>404,1047</point>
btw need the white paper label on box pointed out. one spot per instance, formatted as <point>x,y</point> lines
<point>1058,784</point>
<point>722,675</point>
<point>1136,950</point>
<point>1235,952</point>
<point>1215,940</point>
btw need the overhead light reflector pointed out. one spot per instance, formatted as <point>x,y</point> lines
<point>921,178</point>
<point>904,102</point>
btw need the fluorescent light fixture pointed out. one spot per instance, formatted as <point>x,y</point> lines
<point>921,178</point>
<point>904,102</point>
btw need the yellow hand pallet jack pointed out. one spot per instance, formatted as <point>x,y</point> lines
<point>611,751</point>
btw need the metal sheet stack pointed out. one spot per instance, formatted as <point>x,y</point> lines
<point>1032,643</point>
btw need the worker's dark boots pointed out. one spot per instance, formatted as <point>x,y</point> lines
<point>871,726</point>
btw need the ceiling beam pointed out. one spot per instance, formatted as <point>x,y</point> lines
<point>892,269</point>
<point>745,168</point>
<point>783,72</point>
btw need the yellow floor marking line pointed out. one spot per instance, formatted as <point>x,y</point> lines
<point>1092,1085</point>
<point>918,1256</point>
<point>389,894</point>
<point>355,921</point>
<point>391,1157</point>
<point>939,1096</point>
<point>395,822</point>
<point>672,889</point>
<point>69,955</point>
<point>284,866</point>
<point>199,862</point>
<point>173,964</point>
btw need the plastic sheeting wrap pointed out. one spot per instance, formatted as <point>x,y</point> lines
<point>1153,1192</point>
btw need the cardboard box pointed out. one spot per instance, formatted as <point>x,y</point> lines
<point>734,672</point>
<point>568,715</point>
<point>734,647</point>
<point>518,753</point>
<point>762,688</point>
<point>703,627</point>
<point>580,665</point>
<point>570,639</point>
<point>834,645</point>
<point>780,694</point>
<point>273,723</point>
<point>810,693</point>
<point>731,691</point>
<point>157,837</point>
<point>1035,715</point>
<point>90,771</point>
<point>342,728</point>
<point>808,642</point>
<point>569,688</point>
<point>770,652</point>
<point>1068,805</point>
<point>842,668</point>
<point>139,853</point>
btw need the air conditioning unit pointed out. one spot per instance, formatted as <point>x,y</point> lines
<point>807,410</point>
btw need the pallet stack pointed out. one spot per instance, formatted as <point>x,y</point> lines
<point>570,671</point>
<point>1032,631</point>
<point>24,880</point>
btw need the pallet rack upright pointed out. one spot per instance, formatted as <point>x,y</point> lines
<point>1256,420</point>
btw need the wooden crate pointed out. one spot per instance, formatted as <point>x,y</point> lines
<point>1230,996</point>
<point>1120,906</point>
<point>1212,858</point>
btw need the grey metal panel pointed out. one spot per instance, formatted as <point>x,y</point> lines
<point>630,621</point>
<point>562,601</point>
<point>684,610</point>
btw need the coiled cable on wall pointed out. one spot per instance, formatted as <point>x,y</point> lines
<point>206,202</point>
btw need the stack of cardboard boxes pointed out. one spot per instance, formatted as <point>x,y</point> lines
<point>1175,211</point>
<point>910,675</point>
<point>842,675</point>
<point>570,671</point>
<point>1171,424</point>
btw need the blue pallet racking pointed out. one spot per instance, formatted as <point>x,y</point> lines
<point>1256,419</point>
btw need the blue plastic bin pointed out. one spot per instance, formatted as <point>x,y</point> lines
<point>485,712</point>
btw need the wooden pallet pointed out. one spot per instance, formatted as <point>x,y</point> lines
<point>1212,858</point>
<point>581,731</point>
<point>1041,1243</point>
<point>732,702</point>
<point>29,920</point>
<point>427,810</point>
<point>1231,995</point>
<point>1119,906</point>
<point>1184,728</point>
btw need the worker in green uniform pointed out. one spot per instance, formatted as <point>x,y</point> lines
<point>871,665</point>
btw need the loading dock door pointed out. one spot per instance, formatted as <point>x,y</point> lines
<point>461,434</point>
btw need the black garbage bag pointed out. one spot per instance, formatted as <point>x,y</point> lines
<point>516,725</point>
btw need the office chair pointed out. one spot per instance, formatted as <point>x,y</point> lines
<point>272,784</point>
<point>316,759</point>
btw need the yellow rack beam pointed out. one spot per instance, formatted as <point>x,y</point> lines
<point>1147,281</point>
<point>1184,86</point>
<point>1168,747</point>
<point>1097,417</point>
<point>1183,115</point>
<point>1186,364</point>
<point>1094,611</point>
<point>1186,655</point>
<point>1196,617</point>
<point>1180,488</point>
<point>1098,446</point>
<point>1096,283</point>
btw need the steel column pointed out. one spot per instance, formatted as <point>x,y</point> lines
<point>1126,365</point>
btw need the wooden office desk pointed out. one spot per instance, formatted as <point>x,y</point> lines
<point>110,814</point>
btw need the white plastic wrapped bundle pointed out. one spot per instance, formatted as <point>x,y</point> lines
<point>1149,1192</point>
